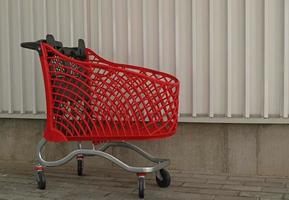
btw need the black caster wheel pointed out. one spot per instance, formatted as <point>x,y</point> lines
<point>41,180</point>
<point>80,165</point>
<point>141,187</point>
<point>165,179</point>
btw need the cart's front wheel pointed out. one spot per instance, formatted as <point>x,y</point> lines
<point>141,187</point>
<point>80,165</point>
<point>163,178</point>
<point>41,180</point>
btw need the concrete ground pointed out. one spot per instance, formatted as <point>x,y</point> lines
<point>17,182</point>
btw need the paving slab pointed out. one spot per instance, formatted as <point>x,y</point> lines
<point>17,182</point>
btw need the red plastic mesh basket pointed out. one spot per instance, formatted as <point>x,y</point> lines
<point>100,100</point>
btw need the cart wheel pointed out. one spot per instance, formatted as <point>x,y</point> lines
<point>41,180</point>
<point>165,180</point>
<point>141,187</point>
<point>80,164</point>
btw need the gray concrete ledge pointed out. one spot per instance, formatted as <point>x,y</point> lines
<point>203,148</point>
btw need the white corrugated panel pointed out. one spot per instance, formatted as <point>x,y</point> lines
<point>231,56</point>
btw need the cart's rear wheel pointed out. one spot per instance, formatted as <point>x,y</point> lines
<point>141,187</point>
<point>163,178</point>
<point>80,165</point>
<point>41,180</point>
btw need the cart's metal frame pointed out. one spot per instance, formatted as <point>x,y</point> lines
<point>101,152</point>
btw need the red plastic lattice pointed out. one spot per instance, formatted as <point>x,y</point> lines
<point>101,100</point>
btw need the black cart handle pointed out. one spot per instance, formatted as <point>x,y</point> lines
<point>75,52</point>
<point>31,45</point>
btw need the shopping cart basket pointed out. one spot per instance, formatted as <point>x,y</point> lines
<point>91,99</point>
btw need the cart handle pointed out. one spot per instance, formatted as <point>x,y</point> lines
<point>36,45</point>
<point>31,45</point>
<point>75,52</point>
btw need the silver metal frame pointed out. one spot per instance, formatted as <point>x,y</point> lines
<point>160,163</point>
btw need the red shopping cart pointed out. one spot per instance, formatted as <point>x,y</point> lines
<point>91,99</point>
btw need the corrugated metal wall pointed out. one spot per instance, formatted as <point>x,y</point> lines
<point>232,56</point>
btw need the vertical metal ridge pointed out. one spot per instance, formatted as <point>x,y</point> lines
<point>9,77</point>
<point>126,28</point>
<point>176,36</point>
<point>88,5</point>
<point>286,59</point>
<point>33,73</point>
<point>154,60</point>
<point>44,27</point>
<point>1,69</point>
<point>44,17</point>
<point>129,30</point>
<point>85,20</point>
<point>57,19</point>
<point>143,35</point>
<point>99,13</point>
<point>161,53</point>
<point>194,57</point>
<point>71,23</point>
<point>267,56</point>
<point>20,59</point>
<point>176,46</point>
<point>248,58</point>
<point>211,62</point>
<point>114,46</point>
<point>229,58</point>
<point>144,21</point>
